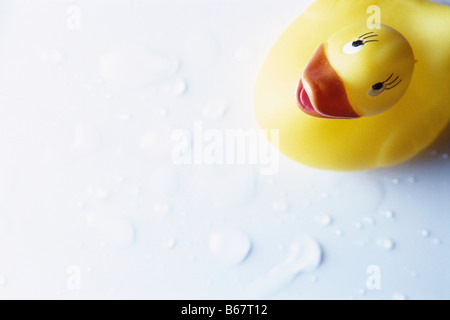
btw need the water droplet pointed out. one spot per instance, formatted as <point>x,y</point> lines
<point>357,225</point>
<point>412,180</point>
<point>183,213</point>
<point>135,66</point>
<point>362,292</point>
<point>90,218</point>
<point>368,220</point>
<point>325,219</point>
<point>148,140</point>
<point>51,56</point>
<point>215,111</point>
<point>385,243</point>
<point>434,153</point>
<point>425,233</point>
<point>123,116</point>
<point>445,156</point>
<point>338,232</point>
<point>324,195</point>
<point>279,206</point>
<point>178,87</point>
<point>81,205</point>
<point>436,241</point>
<point>111,231</point>
<point>399,296</point>
<point>362,242</point>
<point>135,191</point>
<point>413,273</point>
<point>87,138</point>
<point>389,214</point>
<point>98,192</point>
<point>2,280</point>
<point>229,247</point>
<point>120,179</point>
<point>162,112</point>
<point>396,181</point>
<point>169,243</point>
<point>162,208</point>
<point>243,54</point>
<point>119,151</point>
<point>305,254</point>
<point>313,279</point>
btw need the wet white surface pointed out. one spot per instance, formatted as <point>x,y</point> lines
<point>92,204</point>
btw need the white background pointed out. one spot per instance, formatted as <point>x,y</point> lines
<point>92,206</point>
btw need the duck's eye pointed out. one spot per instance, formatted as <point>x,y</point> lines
<point>353,46</point>
<point>357,43</point>
<point>376,89</point>
<point>377,86</point>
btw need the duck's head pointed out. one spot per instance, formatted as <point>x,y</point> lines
<point>357,72</point>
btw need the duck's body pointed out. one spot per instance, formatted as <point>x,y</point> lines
<point>361,142</point>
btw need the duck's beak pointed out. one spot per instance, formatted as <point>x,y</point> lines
<point>321,92</point>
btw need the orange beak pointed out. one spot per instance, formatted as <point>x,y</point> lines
<point>321,92</point>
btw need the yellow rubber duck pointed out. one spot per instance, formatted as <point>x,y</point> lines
<point>349,94</point>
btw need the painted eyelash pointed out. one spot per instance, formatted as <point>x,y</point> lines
<point>388,78</point>
<point>371,36</point>
<point>394,85</point>
<point>368,35</point>
<point>365,34</point>
<point>392,81</point>
<point>396,78</point>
